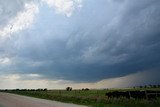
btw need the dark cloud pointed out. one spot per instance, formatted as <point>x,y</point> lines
<point>105,39</point>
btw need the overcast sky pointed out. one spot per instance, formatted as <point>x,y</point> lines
<point>81,43</point>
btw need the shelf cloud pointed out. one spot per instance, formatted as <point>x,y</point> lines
<point>84,41</point>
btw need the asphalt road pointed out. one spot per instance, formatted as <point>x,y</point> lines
<point>12,100</point>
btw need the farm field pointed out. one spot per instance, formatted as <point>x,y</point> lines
<point>94,98</point>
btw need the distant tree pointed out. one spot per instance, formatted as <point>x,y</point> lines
<point>154,86</point>
<point>145,86</point>
<point>150,86</point>
<point>32,90</point>
<point>45,89</point>
<point>69,88</point>
<point>23,89</point>
<point>86,89</point>
<point>6,90</point>
<point>17,89</point>
<point>39,89</point>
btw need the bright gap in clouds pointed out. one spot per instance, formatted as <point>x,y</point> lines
<point>25,18</point>
<point>65,7</point>
<point>22,21</point>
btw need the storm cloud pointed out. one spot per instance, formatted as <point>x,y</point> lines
<point>99,39</point>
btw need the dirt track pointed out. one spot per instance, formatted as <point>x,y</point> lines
<point>12,100</point>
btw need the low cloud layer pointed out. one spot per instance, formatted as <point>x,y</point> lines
<point>90,41</point>
<point>140,78</point>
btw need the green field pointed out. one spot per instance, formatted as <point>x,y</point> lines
<point>94,98</point>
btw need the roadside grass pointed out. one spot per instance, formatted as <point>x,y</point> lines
<point>93,98</point>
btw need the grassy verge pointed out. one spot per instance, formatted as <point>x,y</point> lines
<point>94,98</point>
